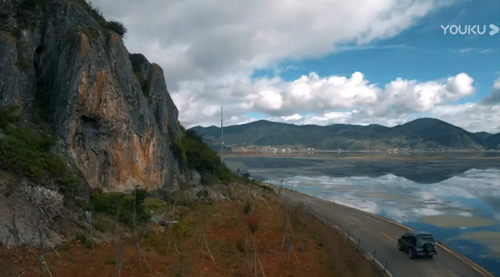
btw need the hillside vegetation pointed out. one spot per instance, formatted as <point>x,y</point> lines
<point>190,150</point>
<point>27,149</point>
<point>424,133</point>
<point>243,236</point>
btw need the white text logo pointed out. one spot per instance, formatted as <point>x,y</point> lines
<point>469,29</point>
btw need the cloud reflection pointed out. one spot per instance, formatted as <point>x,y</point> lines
<point>468,194</point>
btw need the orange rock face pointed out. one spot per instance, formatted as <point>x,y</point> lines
<point>105,143</point>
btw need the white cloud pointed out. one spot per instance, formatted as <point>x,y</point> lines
<point>310,100</point>
<point>398,197</point>
<point>210,49</point>
<point>472,50</point>
<point>494,97</point>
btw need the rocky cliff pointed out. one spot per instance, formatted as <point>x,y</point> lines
<point>110,110</point>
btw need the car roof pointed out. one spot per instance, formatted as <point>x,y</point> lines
<point>420,233</point>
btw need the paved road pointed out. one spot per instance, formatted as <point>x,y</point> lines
<point>380,234</point>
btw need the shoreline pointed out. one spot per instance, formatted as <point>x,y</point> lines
<point>450,250</point>
<point>354,156</point>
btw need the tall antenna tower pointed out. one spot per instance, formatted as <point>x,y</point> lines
<point>221,136</point>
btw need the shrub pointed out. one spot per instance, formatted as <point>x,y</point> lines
<point>248,207</point>
<point>155,205</point>
<point>9,115</point>
<point>182,198</point>
<point>93,11</point>
<point>253,223</point>
<point>96,14</point>
<point>121,205</point>
<point>117,27</point>
<point>181,230</point>
<point>100,225</point>
<point>27,152</point>
<point>240,245</point>
<point>83,239</point>
<point>245,176</point>
<point>191,148</point>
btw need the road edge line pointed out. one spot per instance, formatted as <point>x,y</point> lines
<point>464,259</point>
<point>342,232</point>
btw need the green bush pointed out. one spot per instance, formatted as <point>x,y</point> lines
<point>248,208</point>
<point>245,176</point>
<point>121,205</point>
<point>117,27</point>
<point>83,239</point>
<point>93,11</point>
<point>9,115</point>
<point>96,14</point>
<point>191,148</point>
<point>100,226</point>
<point>27,152</point>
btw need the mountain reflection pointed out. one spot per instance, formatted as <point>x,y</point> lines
<point>419,170</point>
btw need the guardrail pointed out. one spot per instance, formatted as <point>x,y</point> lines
<point>463,258</point>
<point>377,259</point>
<point>371,254</point>
<point>378,263</point>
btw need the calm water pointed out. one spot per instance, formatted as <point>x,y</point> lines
<point>457,198</point>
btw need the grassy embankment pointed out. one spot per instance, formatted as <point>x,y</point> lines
<point>251,232</point>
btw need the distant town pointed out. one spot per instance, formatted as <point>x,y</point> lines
<point>302,149</point>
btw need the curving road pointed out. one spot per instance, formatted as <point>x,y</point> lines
<point>381,234</point>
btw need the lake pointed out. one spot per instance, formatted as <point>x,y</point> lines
<point>454,196</point>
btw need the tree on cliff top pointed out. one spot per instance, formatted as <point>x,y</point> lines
<point>117,27</point>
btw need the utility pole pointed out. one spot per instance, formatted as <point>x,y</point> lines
<point>221,136</point>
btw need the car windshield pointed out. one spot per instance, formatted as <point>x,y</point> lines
<point>421,240</point>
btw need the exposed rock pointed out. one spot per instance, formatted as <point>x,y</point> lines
<point>111,110</point>
<point>25,209</point>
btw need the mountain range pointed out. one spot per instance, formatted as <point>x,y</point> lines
<point>423,133</point>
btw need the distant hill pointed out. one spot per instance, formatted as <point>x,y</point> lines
<point>483,135</point>
<point>493,141</point>
<point>423,133</point>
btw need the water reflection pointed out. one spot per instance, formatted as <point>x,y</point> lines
<point>458,199</point>
<point>420,170</point>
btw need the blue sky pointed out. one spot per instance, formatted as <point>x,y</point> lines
<point>321,61</point>
<point>420,53</point>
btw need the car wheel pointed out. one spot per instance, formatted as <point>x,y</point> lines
<point>410,253</point>
<point>400,247</point>
<point>431,256</point>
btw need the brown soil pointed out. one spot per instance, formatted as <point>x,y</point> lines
<point>319,250</point>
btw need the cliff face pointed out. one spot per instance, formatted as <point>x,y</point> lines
<point>110,110</point>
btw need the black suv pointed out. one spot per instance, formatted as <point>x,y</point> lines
<point>417,244</point>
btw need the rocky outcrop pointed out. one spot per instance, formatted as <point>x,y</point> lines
<point>111,110</point>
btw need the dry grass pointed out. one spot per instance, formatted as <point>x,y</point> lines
<point>210,240</point>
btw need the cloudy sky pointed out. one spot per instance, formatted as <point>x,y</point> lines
<point>321,61</point>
